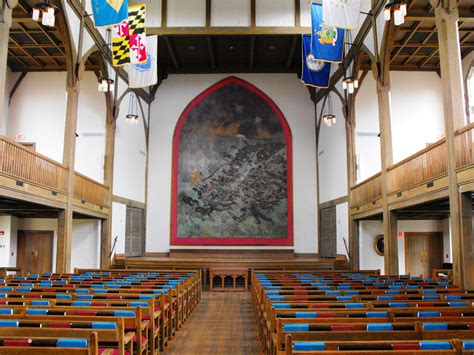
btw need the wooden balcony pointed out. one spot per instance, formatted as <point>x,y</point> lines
<point>419,175</point>
<point>30,176</point>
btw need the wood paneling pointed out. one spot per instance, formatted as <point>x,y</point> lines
<point>367,190</point>
<point>21,162</point>
<point>425,165</point>
<point>89,190</point>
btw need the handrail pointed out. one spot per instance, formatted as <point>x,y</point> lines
<point>417,154</point>
<point>366,180</point>
<point>89,190</point>
<point>464,129</point>
<point>20,162</point>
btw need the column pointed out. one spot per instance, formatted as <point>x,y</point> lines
<point>447,16</point>
<point>389,218</point>
<point>5,23</point>
<point>106,229</point>
<point>64,245</point>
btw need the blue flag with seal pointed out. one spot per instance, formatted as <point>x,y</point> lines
<point>327,41</point>
<point>109,12</point>
<point>314,72</point>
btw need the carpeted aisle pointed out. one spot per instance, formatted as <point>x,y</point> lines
<point>222,323</point>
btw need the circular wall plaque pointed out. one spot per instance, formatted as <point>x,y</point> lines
<point>379,245</point>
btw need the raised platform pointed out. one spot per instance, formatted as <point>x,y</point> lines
<point>252,259</point>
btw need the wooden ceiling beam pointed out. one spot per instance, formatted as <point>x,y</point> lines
<point>229,31</point>
<point>407,38</point>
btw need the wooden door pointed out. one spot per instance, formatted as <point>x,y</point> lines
<point>423,252</point>
<point>328,233</point>
<point>35,251</point>
<point>135,232</point>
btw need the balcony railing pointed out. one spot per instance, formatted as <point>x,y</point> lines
<point>367,190</point>
<point>423,166</point>
<point>90,190</point>
<point>427,164</point>
<point>21,163</point>
<point>465,146</point>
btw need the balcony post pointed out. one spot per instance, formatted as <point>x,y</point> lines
<point>447,16</point>
<point>110,128</point>
<point>5,23</point>
<point>354,241</point>
<point>64,246</point>
<point>389,218</point>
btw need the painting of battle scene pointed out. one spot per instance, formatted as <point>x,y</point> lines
<point>232,170</point>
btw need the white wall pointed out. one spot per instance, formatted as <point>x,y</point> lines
<point>417,112</point>
<point>367,143</point>
<point>38,110</point>
<point>332,157</point>
<point>119,214</point>
<point>91,116</point>
<point>85,244</point>
<point>368,230</point>
<point>290,96</point>
<point>130,156</point>
<point>342,227</point>
<point>8,241</point>
<point>416,118</point>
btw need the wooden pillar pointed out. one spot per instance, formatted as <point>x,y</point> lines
<point>354,244</point>
<point>447,16</point>
<point>5,23</point>
<point>64,244</point>
<point>354,240</point>
<point>467,231</point>
<point>106,230</point>
<point>389,218</point>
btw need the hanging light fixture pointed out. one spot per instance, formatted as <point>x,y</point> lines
<point>329,117</point>
<point>399,9</point>
<point>132,116</point>
<point>46,11</point>
<point>106,85</point>
<point>349,83</point>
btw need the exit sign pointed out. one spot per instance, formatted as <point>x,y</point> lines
<point>19,137</point>
<point>400,234</point>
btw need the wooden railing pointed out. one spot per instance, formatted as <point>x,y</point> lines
<point>367,190</point>
<point>425,165</point>
<point>464,141</point>
<point>90,190</point>
<point>20,162</point>
<point>23,164</point>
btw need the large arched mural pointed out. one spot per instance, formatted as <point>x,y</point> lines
<point>232,182</point>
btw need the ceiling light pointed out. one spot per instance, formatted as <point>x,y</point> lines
<point>106,85</point>
<point>399,10</point>
<point>47,12</point>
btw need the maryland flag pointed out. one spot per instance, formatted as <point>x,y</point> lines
<point>129,38</point>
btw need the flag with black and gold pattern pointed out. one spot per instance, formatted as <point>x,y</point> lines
<point>129,38</point>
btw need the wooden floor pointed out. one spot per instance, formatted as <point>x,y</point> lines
<point>222,323</point>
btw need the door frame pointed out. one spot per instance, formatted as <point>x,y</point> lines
<point>414,234</point>
<point>30,231</point>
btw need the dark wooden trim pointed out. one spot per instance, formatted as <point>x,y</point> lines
<point>335,202</point>
<point>164,13</point>
<point>15,87</point>
<point>171,51</point>
<point>291,54</point>
<point>253,14</point>
<point>208,12</point>
<point>212,55</point>
<point>252,52</point>
<point>297,13</point>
